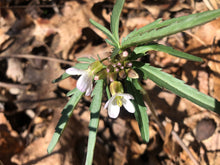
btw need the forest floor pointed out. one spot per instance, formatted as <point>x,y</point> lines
<point>40,39</point>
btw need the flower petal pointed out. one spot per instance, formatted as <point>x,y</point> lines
<point>128,104</point>
<point>89,90</point>
<point>74,71</point>
<point>113,109</point>
<point>84,82</point>
<point>125,95</point>
<point>109,101</point>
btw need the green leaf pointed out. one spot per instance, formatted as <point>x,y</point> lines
<point>169,27</point>
<point>86,59</point>
<point>62,77</point>
<point>94,120</point>
<point>82,66</point>
<point>70,93</point>
<point>105,31</point>
<point>110,42</point>
<point>115,18</point>
<point>166,49</point>
<point>146,28</point>
<point>134,89</point>
<point>107,92</point>
<point>178,87</point>
<point>115,52</point>
<point>66,114</point>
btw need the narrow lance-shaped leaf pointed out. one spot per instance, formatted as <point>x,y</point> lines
<point>82,66</point>
<point>62,77</point>
<point>134,89</point>
<point>66,113</point>
<point>115,18</point>
<point>146,28</point>
<point>154,25</point>
<point>109,42</point>
<point>94,120</point>
<point>166,49</point>
<point>115,52</point>
<point>178,87</point>
<point>180,24</point>
<point>105,31</point>
<point>86,59</point>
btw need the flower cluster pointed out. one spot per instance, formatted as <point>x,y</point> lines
<point>114,72</point>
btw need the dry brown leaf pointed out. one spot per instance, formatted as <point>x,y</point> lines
<point>15,70</point>
<point>68,26</point>
<point>206,42</point>
<point>41,81</point>
<point>211,143</point>
<point>92,51</point>
<point>138,148</point>
<point>5,23</point>
<point>185,157</point>
<point>66,151</point>
<point>10,143</point>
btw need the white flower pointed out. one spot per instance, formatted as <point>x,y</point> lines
<point>85,82</point>
<point>116,101</point>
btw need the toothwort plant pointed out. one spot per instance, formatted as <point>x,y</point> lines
<point>120,73</point>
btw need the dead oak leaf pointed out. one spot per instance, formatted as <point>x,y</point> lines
<point>206,44</point>
<point>43,89</point>
<point>68,26</point>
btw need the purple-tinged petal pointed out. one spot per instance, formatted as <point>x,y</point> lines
<point>89,90</point>
<point>84,82</point>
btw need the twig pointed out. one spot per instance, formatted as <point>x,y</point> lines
<point>10,85</point>
<point>31,56</point>
<point>180,142</point>
<point>25,6</point>
<point>196,37</point>
<point>208,4</point>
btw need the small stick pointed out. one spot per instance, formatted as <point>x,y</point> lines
<point>208,4</point>
<point>180,142</point>
<point>10,85</point>
<point>31,56</point>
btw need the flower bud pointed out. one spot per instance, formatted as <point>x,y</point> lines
<point>112,76</point>
<point>101,75</point>
<point>125,54</point>
<point>128,64</point>
<point>95,67</point>
<point>132,74</point>
<point>122,74</point>
<point>116,87</point>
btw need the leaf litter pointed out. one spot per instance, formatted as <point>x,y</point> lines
<point>61,30</point>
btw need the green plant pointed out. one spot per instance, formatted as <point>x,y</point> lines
<point>123,68</point>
